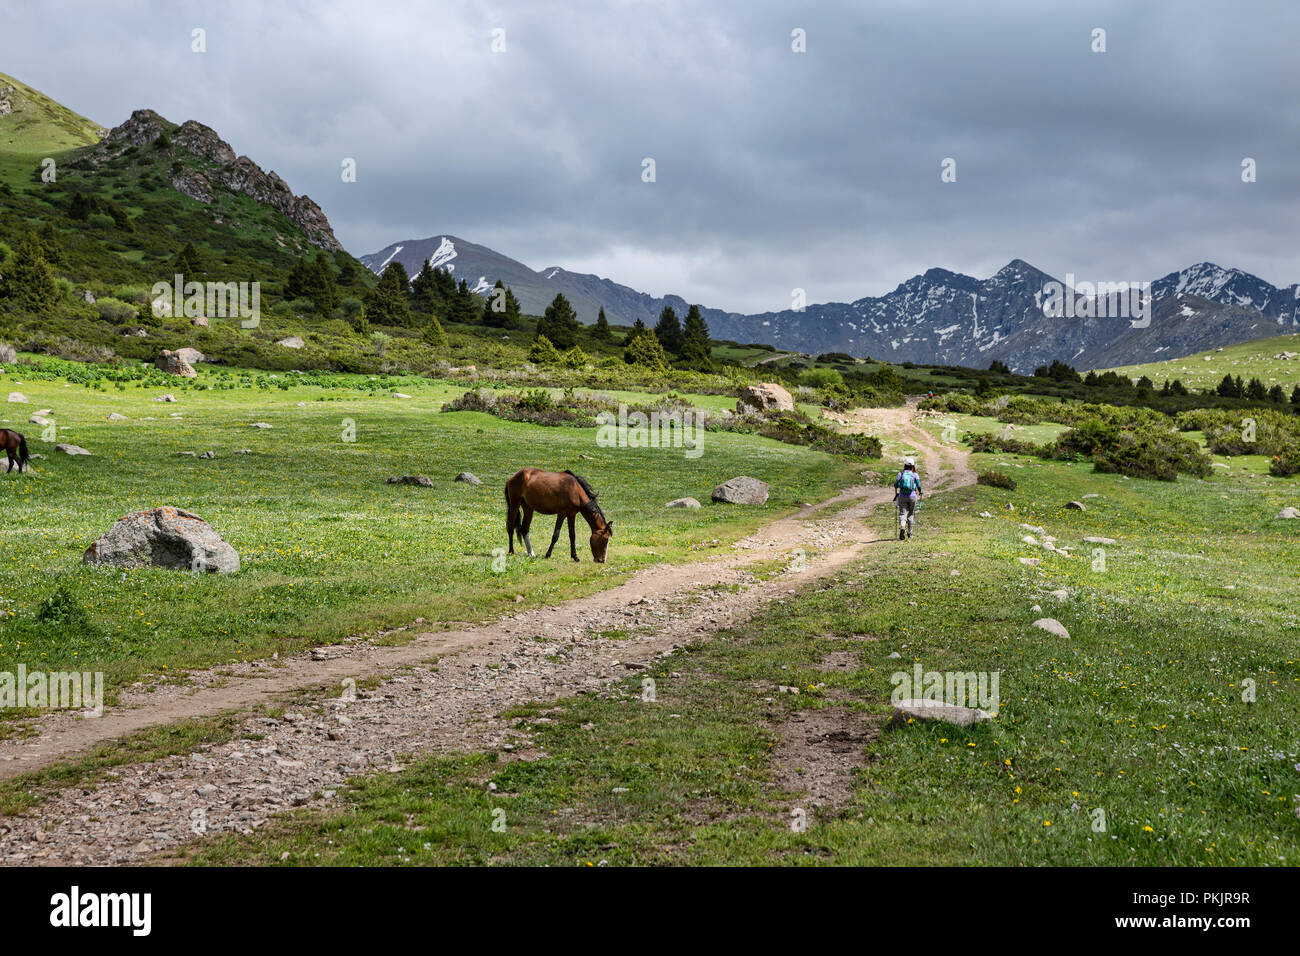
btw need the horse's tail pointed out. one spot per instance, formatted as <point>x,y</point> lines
<point>22,450</point>
<point>518,527</point>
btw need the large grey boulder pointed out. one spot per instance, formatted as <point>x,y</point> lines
<point>192,356</point>
<point>165,537</point>
<point>767,397</point>
<point>8,354</point>
<point>742,490</point>
<point>173,363</point>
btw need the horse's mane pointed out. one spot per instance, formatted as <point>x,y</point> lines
<point>591,494</point>
<point>583,482</point>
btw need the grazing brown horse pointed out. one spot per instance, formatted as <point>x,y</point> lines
<point>562,494</point>
<point>15,446</point>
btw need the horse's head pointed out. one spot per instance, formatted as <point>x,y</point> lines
<point>600,541</point>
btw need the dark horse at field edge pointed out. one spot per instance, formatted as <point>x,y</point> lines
<point>15,446</point>
<point>562,494</point>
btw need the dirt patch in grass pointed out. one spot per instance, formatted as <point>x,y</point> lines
<point>837,661</point>
<point>818,752</point>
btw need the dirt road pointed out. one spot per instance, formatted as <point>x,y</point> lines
<point>419,706</point>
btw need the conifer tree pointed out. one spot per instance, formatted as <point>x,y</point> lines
<point>27,281</point>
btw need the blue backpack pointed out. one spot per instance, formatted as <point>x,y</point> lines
<point>908,483</point>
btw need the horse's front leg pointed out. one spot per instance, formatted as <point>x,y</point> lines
<point>573,547</point>
<point>559,523</point>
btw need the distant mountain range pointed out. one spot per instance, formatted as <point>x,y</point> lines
<point>940,317</point>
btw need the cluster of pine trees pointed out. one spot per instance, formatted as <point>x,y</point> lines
<point>1256,391</point>
<point>685,345</point>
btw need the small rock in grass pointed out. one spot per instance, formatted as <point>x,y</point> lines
<point>420,480</point>
<point>1052,626</point>
<point>1289,513</point>
<point>469,478</point>
<point>683,503</point>
<point>71,449</point>
<point>1061,594</point>
<point>920,709</point>
<point>1075,506</point>
<point>1031,562</point>
<point>18,397</point>
<point>1096,539</point>
<point>116,417</point>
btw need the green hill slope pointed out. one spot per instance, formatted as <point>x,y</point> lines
<point>1258,359</point>
<point>34,123</point>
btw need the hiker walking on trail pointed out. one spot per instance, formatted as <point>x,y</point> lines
<point>907,494</point>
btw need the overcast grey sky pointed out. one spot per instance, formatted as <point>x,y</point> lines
<point>775,169</point>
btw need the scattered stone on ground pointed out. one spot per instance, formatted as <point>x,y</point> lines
<point>1075,506</point>
<point>71,449</point>
<point>17,397</point>
<point>291,342</point>
<point>469,478</point>
<point>166,398</point>
<point>420,480</point>
<point>1097,539</point>
<point>1288,513</point>
<point>917,708</point>
<point>683,503</point>
<point>1052,626</point>
<point>116,417</point>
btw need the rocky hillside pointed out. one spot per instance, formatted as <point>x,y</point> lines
<point>203,164</point>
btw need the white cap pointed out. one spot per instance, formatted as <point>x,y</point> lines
<point>909,460</point>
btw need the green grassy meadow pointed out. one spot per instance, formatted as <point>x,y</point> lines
<point>328,547</point>
<point>1137,722</point>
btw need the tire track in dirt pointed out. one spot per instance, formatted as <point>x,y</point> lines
<point>541,654</point>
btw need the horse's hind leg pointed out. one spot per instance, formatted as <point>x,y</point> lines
<point>523,530</point>
<point>559,523</point>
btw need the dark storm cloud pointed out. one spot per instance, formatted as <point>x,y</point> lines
<point>774,169</point>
